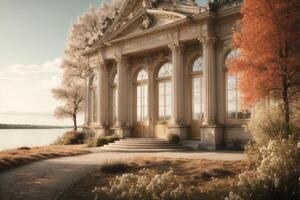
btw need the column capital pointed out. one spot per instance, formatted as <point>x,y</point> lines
<point>176,47</point>
<point>207,40</point>
<point>101,58</point>
<point>119,58</point>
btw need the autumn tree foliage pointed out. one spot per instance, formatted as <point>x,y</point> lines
<point>72,97</point>
<point>269,42</point>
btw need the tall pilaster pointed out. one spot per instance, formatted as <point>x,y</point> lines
<point>211,132</point>
<point>87,101</point>
<point>103,96</point>
<point>122,97</point>
<point>178,124</point>
<point>221,82</point>
<point>208,44</point>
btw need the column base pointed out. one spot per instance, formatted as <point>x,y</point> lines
<point>177,129</point>
<point>102,131</point>
<point>211,137</point>
<point>122,132</point>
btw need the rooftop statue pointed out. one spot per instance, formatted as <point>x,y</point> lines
<point>214,5</point>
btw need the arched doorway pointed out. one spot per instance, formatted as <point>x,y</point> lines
<point>164,99</point>
<point>141,104</point>
<point>198,96</point>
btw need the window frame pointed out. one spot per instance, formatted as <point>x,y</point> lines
<point>238,110</point>
<point>164,80</point>
<point>144,84</point>
<point>194,75</point>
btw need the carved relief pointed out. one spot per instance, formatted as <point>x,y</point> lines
<point>107,22</point>
<point>146,42</point>
<point>190,31</point>
<point>147,22</point>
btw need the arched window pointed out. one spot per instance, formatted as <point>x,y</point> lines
<point>197,89</point>
<point>198,65</point>
<point>114,90</point>
<point>94,98</point>
<point>142,96</point>
<point>234,109</point>
<point>165,92</point>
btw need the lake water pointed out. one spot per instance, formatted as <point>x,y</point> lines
<point>36,119</point>
<point>14,138</point>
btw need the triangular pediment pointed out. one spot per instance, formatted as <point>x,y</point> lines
<point>136,16</point>
<point>147,20</point>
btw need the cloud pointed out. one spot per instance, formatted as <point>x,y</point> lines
<point>49,67</point>
<point>27,88</point>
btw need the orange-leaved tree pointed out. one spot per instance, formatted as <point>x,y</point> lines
<point>269,42</point>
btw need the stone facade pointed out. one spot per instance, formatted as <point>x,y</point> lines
<point>160,69</point>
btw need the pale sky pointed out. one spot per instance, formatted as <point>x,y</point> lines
<point>33,34</point>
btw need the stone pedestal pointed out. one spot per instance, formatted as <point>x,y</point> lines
<point>180,130</point>
<point>211,137</point>
<point>102,131</point>
<point>122,132</point>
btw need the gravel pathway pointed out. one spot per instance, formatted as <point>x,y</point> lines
<point>46,180</point>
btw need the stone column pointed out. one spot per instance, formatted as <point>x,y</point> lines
<point>122,128</point>
<point>209,57</point>
<point>221,83</point>
<point>87,101</point>
<point>211,132</point>
<point>178,124</point>
<point>103,96</point>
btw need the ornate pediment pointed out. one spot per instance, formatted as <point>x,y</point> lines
<point>139,15</point>
<point>147,20</point>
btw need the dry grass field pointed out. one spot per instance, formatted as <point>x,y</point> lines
<point>24,155</point>
<point>200,177</point>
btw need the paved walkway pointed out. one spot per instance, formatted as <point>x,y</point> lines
<point>46,180</point>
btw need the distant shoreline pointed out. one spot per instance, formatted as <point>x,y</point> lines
<point>27,126</point>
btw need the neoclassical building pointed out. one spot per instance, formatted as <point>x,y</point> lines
<point>161,67</point>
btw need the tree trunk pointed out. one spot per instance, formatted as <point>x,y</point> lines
<point>75,122</point>
<point>286,103</point>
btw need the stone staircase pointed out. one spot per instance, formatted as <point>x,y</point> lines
<point>144,145</point>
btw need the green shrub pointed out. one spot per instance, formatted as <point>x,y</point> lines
<point>101,141</point>
<point>112,139</point>
<point>173,138</point>
<point>71,138</point>
<point>24,148</point>
<point>114,167</point>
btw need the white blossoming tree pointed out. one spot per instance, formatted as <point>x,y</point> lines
<point>87,29</point>
<point>72,98</point>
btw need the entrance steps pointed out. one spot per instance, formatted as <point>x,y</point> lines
<point>144,144</point>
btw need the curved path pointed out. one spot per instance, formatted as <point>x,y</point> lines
<point>46,180</point>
